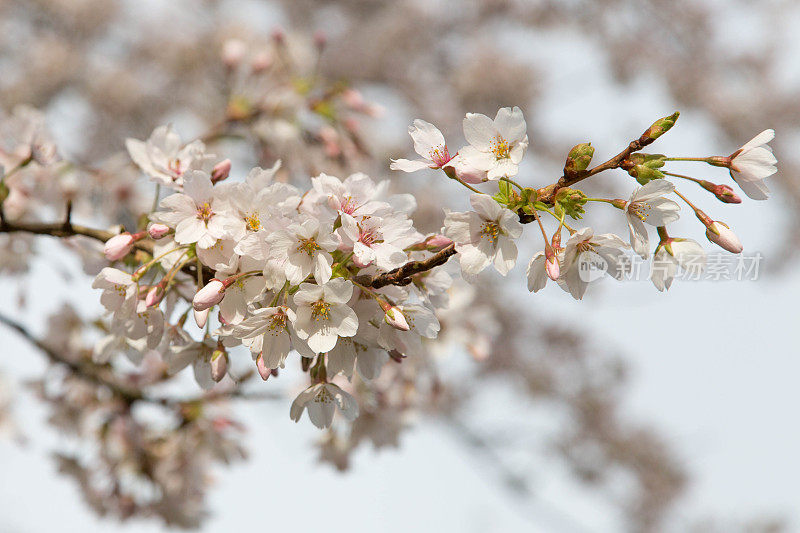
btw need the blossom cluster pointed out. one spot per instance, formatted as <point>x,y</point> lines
<point>325,273</point>
<point>289,270</point>
<point>485,236</point>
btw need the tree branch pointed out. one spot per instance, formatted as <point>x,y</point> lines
<point>402,275</point>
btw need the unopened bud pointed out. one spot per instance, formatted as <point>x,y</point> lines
<point>209,296</point>
<point>154,295</point>
<point>233,52</point>
<point>320,39</point>
<point>551,263</point>
<point>437,242</point>
<point>156,231</point>
<point>263,370</point>
<point>661,126</point>
<point>221,171</point>
<point>279,35</point>
<point>724,193</point>
<point>219,365</point>
<point>720,234</point>
<point>579,158</point>
<point>261,62</point>
<point>200,318</point>
<point>395,318</point>
<point>118,246</point>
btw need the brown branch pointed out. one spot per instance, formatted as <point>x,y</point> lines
<point>95,374</point>
<point>67,229</point>
<point>548,194</point>
<point>402,275</point>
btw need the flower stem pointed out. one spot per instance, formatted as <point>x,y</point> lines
<point>681,176</point>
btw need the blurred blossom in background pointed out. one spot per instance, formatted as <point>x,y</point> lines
<point>628,411</point>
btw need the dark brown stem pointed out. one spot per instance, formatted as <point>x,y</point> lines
<point>67,229</point>
<point>548,194</point>
<point>402,275</point>
<point>99,375</point>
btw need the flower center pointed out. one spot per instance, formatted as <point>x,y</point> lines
<point>640,210</point>
<point>175,166</point>
<point>323,396</point>
<point>253,222</point>
<point>439,155</point>
<point>491,230</point>
<point>319,310</point>
<point>500,148</point>
<point>585,246</point>
<point>204,212</point>
<point>308,246</point>
<point>278,321</point>
<point>348,205</point>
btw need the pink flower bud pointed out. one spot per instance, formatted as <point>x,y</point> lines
<point>219,365</point>
<point>118,246</point>
<point>724,193</point>
<point>209,296</point>
<point>262,368</point>
<point>437,242</point>
<point>156,231</point>
<point>719,233</point>
<point>320,39</point>
<point>551,263</point>
<point>261,62</point>
<point>154,295</point>
<point>233,52</point>
<point>200,318</point>
<point>221,171</point>
<point>395,318</point>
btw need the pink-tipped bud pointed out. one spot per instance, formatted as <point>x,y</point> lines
<point>320,39</point>
<point>437,242</point>
<point>209,296</point>
<point>279,35</point>
<point>724,193</point>
<point>219,365</point>
<point>263,370</point>
<point>221,171</point>
<point>118,246</point>
<point>154,295</point>
<point>156,230</point>
<point>720,234</point>
<point>395,318</point>
<point>551,263</point>
<point>261,62</point>
<point>233,52</point>
<point>200,318</point>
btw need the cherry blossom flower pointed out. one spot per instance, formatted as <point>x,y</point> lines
<point>583,252</point>
<point>752,163</point>
<point>669,255</point>
<point>304,249</point>
<point>378,240</point>
<point>267,332</point>
<point>429,143</point>
<point>119,290</point>
<point>165,159</point>
<point>484,236</point>
<point>321,401</point>
<point>197,214</point>
<point>495,146</point>
<point>648,205</point>
<point>323,315</point>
